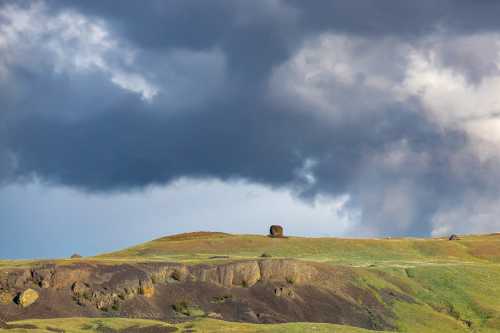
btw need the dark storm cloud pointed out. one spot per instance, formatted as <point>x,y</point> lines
<point>254,35</point>
<point>83,131</point>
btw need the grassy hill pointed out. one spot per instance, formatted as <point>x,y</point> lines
<point>202,246</point>
<point>429,285</point>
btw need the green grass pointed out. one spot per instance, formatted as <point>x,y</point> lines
<point>206,325</point>
<point>354,252</point>
<point>81,325</point>
<point>447,298</point>
<point>201,247</point>
<point>88,325</point>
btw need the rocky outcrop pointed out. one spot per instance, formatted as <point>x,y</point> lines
<point>287,270</point>
<point>106,287</point>
<point>248,273</point>
<point>168,273</point>
<point>27,298</point>
<point>89,283</point>
<point>146,288</point>
<point>243,274</point>
<point>43,277</point>
<point>260,290</point>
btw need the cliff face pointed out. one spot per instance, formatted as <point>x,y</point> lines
<point>270,290</point>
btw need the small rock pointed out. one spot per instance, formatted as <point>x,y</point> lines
<point>76,256</point>
<point>276,231</point>
<point>27,297</point>
<point>214,315</point>
<point>3,324</point>
<point>453,237</point>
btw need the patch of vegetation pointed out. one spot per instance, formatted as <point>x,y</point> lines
<point>222,299</point>
<point>87,325</point>
<point>189,310</point>
<point>410,272</point>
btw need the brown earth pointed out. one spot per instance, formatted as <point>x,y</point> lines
<point>258,291</point>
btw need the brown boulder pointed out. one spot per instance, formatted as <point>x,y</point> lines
<point>27,297</point>
<point>276,231</point>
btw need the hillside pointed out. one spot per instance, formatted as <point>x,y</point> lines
<point>402,285</point>
<point>203,246</point>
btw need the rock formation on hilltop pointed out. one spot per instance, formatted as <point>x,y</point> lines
<point>276,231</point>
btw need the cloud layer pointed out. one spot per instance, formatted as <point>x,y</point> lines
<point>391,105</point>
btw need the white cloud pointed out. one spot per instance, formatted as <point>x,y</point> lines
<point>341,76</point>
<point>338,74</point>
<point>135,83</point>
<point>344,77</point>
<point>68,42</point>
<point>449,98</point>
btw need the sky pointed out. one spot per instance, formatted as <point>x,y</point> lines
<point>121,123</point>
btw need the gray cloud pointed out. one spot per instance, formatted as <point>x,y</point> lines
<point>227,100</point>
